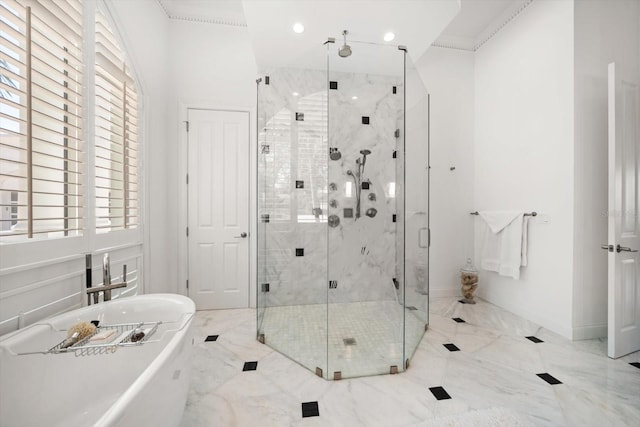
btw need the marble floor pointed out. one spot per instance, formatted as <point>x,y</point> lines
<point>491,375</point>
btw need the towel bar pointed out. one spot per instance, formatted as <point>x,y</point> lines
<point>526,214</point>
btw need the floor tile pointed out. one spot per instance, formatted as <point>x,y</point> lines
<point>250,366</point>
<point>439,393</point>
<point>451,347</point>
<point>310,409</point>
<point>549,378</point>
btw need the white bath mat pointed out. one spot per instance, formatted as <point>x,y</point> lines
<point>492,417</point>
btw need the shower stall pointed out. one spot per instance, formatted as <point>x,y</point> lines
<point>343,209</point>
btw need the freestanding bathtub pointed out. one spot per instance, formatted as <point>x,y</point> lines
<point>132,384</point>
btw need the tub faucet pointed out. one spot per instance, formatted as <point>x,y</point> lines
<point>107,286</point>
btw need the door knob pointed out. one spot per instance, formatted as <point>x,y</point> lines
<point>607,247</point>
<point>625,249</point>
<point>241,236</point>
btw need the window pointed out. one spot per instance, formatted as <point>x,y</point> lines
<point>296,148</point>
<point>41,118</point>
<point>116,133</point>
<point>42,142</point>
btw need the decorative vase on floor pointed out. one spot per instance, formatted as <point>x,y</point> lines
<point>469,282</point>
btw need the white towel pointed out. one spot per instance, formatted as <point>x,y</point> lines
<point>502,241</point>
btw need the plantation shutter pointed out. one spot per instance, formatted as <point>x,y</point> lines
<point>40,118</point>
<point>116,134</point>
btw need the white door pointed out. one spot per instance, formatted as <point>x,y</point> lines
<point>218,208</point>
<point>624,228</point>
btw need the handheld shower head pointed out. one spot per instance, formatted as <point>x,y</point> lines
<point>364,153</point>
<point>345,50</point>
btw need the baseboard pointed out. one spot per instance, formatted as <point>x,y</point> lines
<point>444,293</point>
<point>589,332</point>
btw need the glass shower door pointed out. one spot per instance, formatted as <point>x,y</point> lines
<point>365,300</point>
<point>416,236</point>
<point>292,203</point>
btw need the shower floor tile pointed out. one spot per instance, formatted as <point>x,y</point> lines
<point>300,333</point>
<point>495,373</point>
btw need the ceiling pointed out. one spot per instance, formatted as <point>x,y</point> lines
<point>464,24</point>
<point>416,24</point>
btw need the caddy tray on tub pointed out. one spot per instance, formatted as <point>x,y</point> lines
<point>123,334</point>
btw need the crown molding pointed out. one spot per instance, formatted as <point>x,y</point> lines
<point>453,42</point>
<point>472,45</point>
<point>191,18</point>
<point>500,22</point>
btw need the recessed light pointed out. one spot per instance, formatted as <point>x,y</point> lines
<point>298,28</point>
<point>354,97</point>
<point>389,36</point>
<point>295,94</point>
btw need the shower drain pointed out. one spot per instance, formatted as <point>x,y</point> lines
<point>349,341</point>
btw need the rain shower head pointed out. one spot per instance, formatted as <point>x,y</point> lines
<point>345,50</point>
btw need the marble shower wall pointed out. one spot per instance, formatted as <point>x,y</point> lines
<point>299,187</point>
<point>362,251</point>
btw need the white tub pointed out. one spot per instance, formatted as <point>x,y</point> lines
<point>139,385</point>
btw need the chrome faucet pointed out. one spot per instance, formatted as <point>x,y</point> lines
<point>107,287</point>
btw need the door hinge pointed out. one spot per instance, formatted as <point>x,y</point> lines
<point>187,283</point>
<point>187,231</point>
<point>187,179</point>
<point>187,124</point>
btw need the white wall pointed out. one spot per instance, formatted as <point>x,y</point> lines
<point>210,66</point>
<point>449,77</point>
<point>180,64</point>
<point>144,28</point>
<point>604,32</point>
<point>524,155</point>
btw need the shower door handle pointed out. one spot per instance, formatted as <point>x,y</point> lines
<point>421,237</point>
<point>241,236</point>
